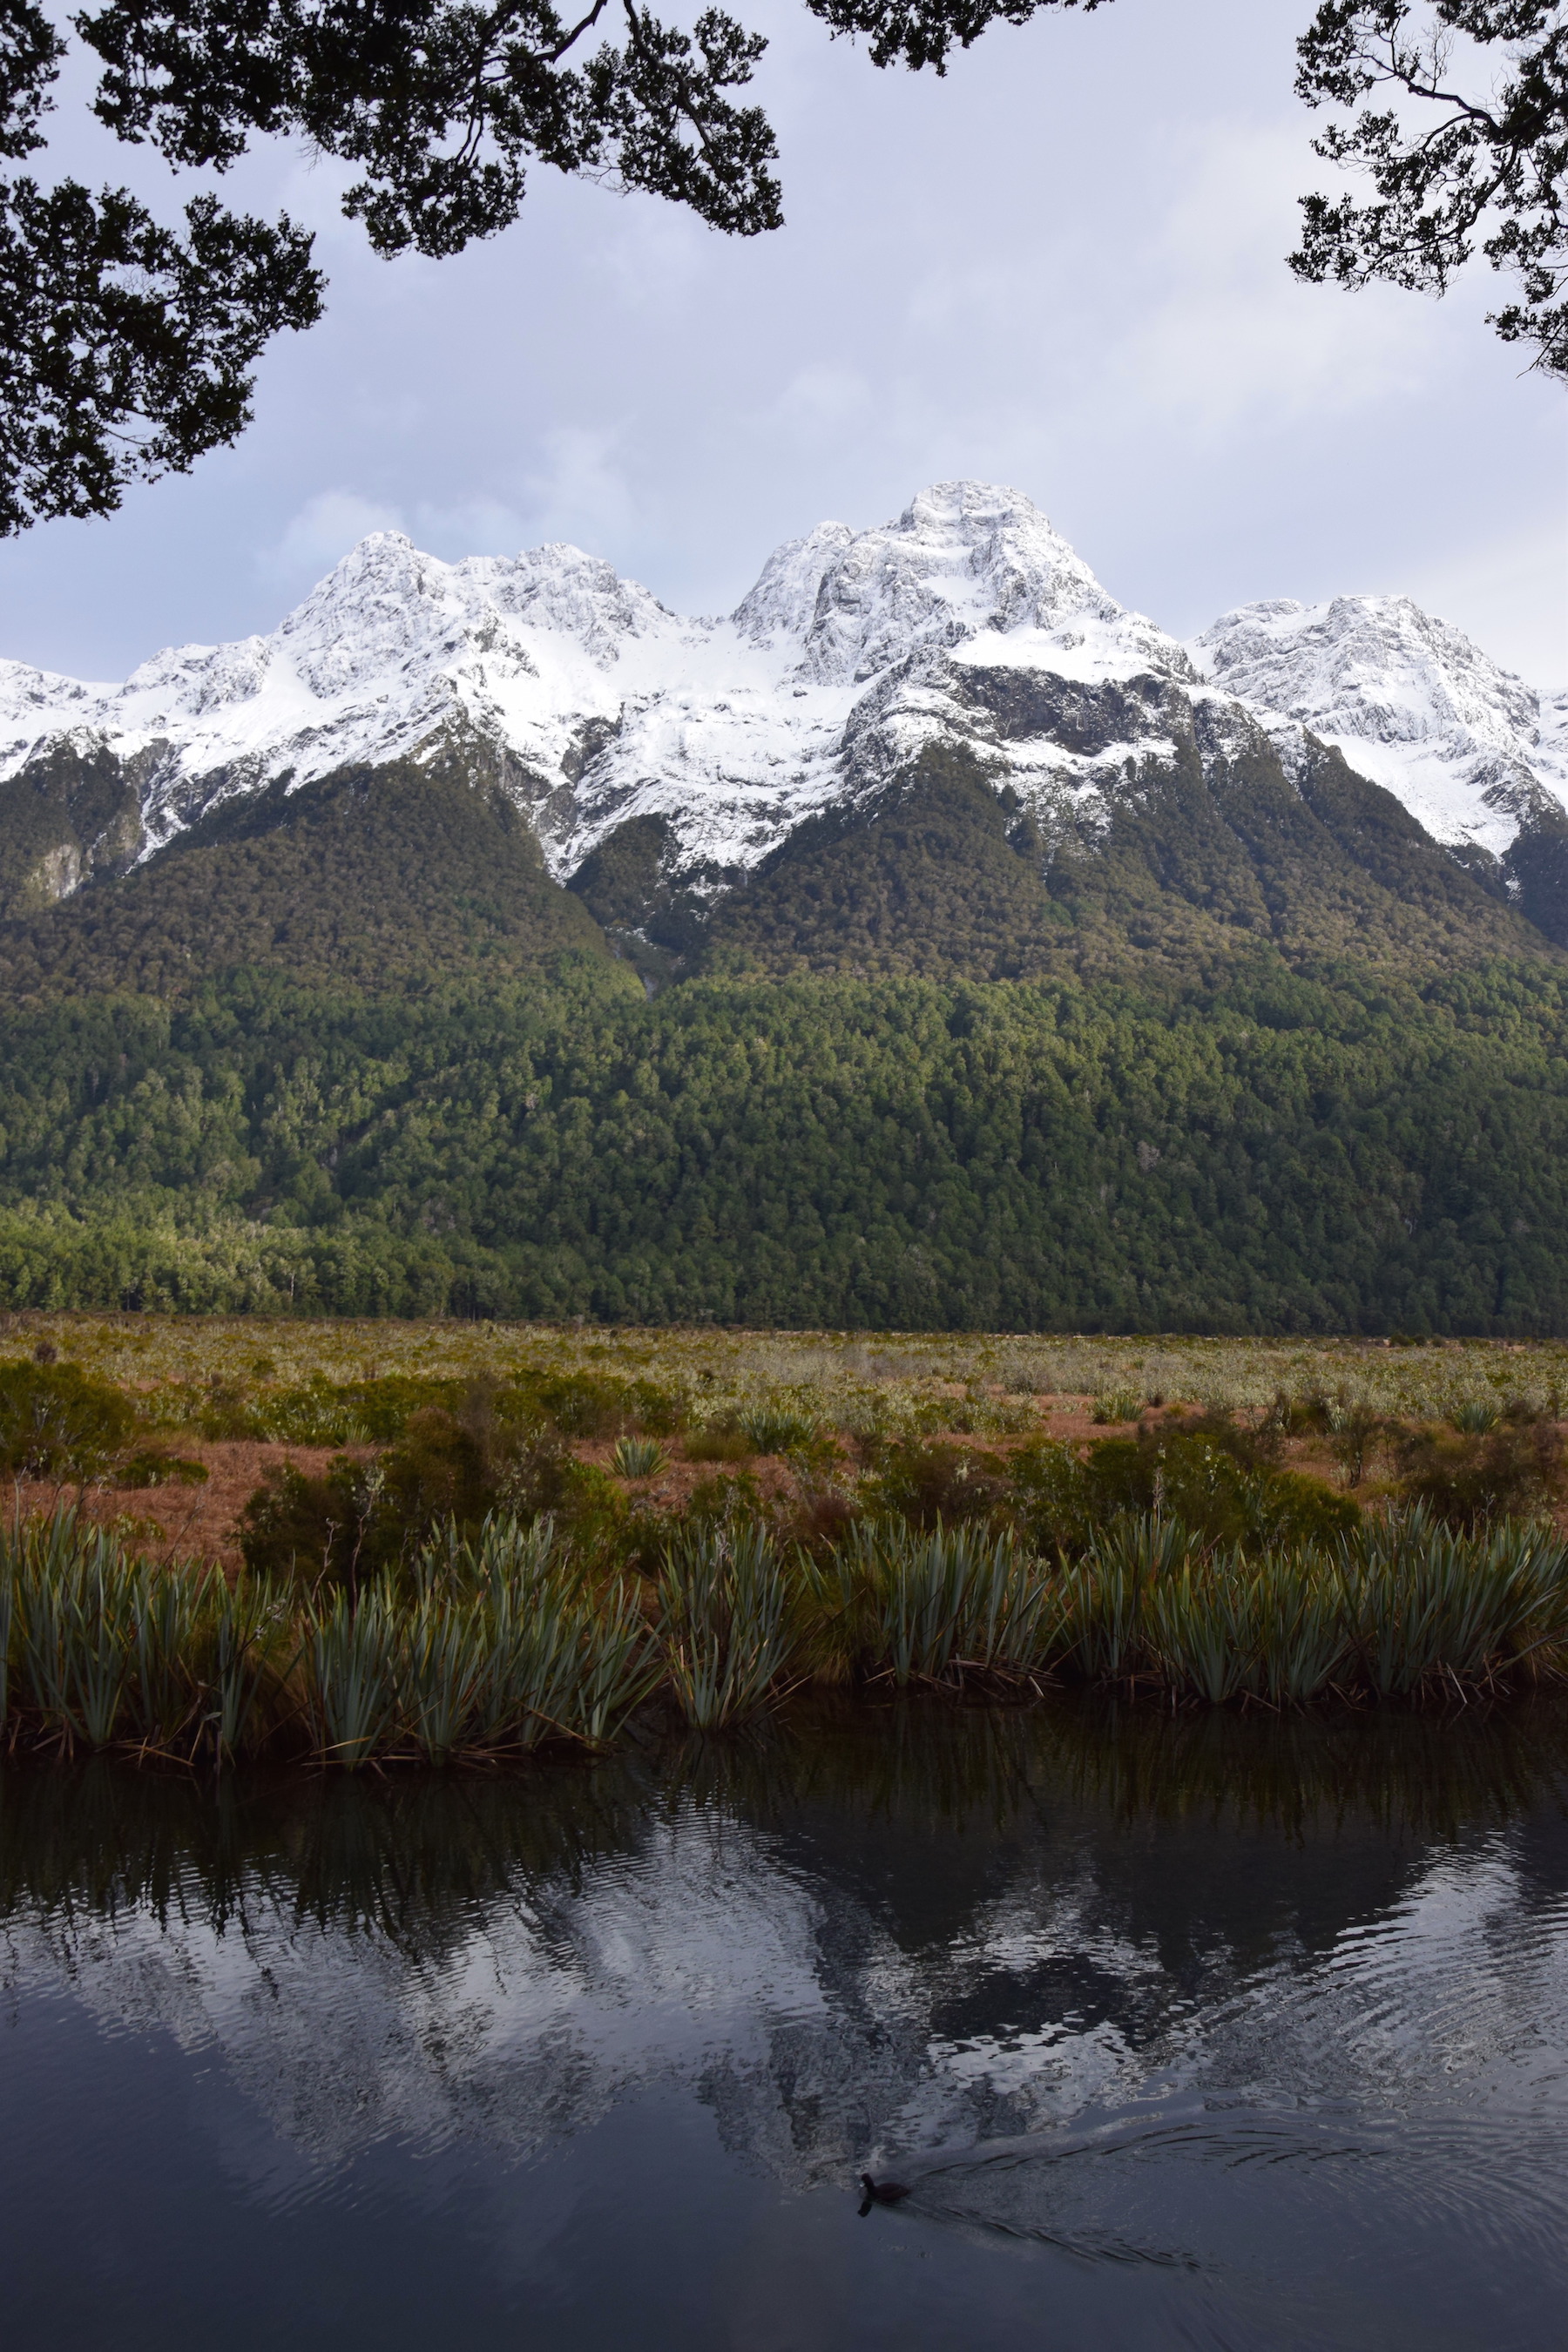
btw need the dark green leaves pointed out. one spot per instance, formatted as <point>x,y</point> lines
<point>128,348</point>
<point>919,33</point>
<point>1487,170</point>
<point>30,52</point>
<point>442,105</point>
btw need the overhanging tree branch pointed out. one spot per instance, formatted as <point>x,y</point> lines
<point>1490,175</point>
<point>129,347</point>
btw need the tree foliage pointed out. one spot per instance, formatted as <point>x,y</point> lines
<point>916,32</point>
<point>1271,1153</point>
<point>1466,166</point>
<point>129,346</point>
<point>440,103</point>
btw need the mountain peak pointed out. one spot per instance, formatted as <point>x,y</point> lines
<point>1411,701</point>
<point>968,619</point>
<point>964,557</point>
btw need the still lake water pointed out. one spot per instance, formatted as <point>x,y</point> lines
<point>1189,2032</point>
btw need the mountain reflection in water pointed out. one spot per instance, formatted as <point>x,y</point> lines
<point>1182,2030</point>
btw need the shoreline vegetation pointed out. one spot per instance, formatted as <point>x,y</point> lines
<point>499,1644</point>
<point>471,1543</point>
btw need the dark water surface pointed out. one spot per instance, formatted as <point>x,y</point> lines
<point>1192,2033</point>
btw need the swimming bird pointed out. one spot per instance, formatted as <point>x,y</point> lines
<point>880,2192</point>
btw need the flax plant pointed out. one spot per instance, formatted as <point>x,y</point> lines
<point>166,1610</point>
<point>1199,1619</point>
<point>726,1624</point>
<point>352,1671</point>
<point>252,1651</point>
<point>1423,1602</point>
<point>1304,1643</point>
<point>556,1655</point>
<point>443,1658</point>
<point>923,1605</point>
<point>1105,1592</point>
<point>75,1627</point>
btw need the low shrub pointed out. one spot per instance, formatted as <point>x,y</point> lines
<point>638,1457</point>
<point>59,1422</point>
<point>1475,1480</point>
<point>925,1481</point>
<point>718,1445</point>
<point>154,1465</point>
<point>304,1530</point>
<point>771,1428</point>
<point>1117,1405</point>
<point>1212,1488</point>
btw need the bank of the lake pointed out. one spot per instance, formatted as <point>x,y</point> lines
<point>510,1640</point>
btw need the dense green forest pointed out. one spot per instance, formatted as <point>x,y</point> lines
<point>1276,1153</point>
<point>1260,1058</point>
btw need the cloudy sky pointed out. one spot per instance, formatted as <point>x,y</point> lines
<point>1060,268</point>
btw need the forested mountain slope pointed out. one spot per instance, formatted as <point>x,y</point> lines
<point>931,943</point>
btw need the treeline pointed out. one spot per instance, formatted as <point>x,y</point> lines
<point>1272,1152</point>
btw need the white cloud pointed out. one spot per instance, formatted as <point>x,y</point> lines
<point>654,256</point>
<point>578,494</point>
<point>476,525</point>
<point>321,533</point>
<point>1231,336</point>
<point>821,402</point>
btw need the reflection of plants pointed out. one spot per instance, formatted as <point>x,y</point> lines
<point>638,1457</point>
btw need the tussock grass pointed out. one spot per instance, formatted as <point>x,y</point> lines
<point>638,1457</point>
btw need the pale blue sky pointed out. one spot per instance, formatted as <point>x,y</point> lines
<point>1060,268</point>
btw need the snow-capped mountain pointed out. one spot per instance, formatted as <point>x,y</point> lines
<point>1473,753</point>
<point>597,704</point>
<point>968,620</point>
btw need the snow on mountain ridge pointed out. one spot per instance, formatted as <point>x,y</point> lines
<point>968,619</point>
<point>1412,703</point>
<point>604,703</point>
